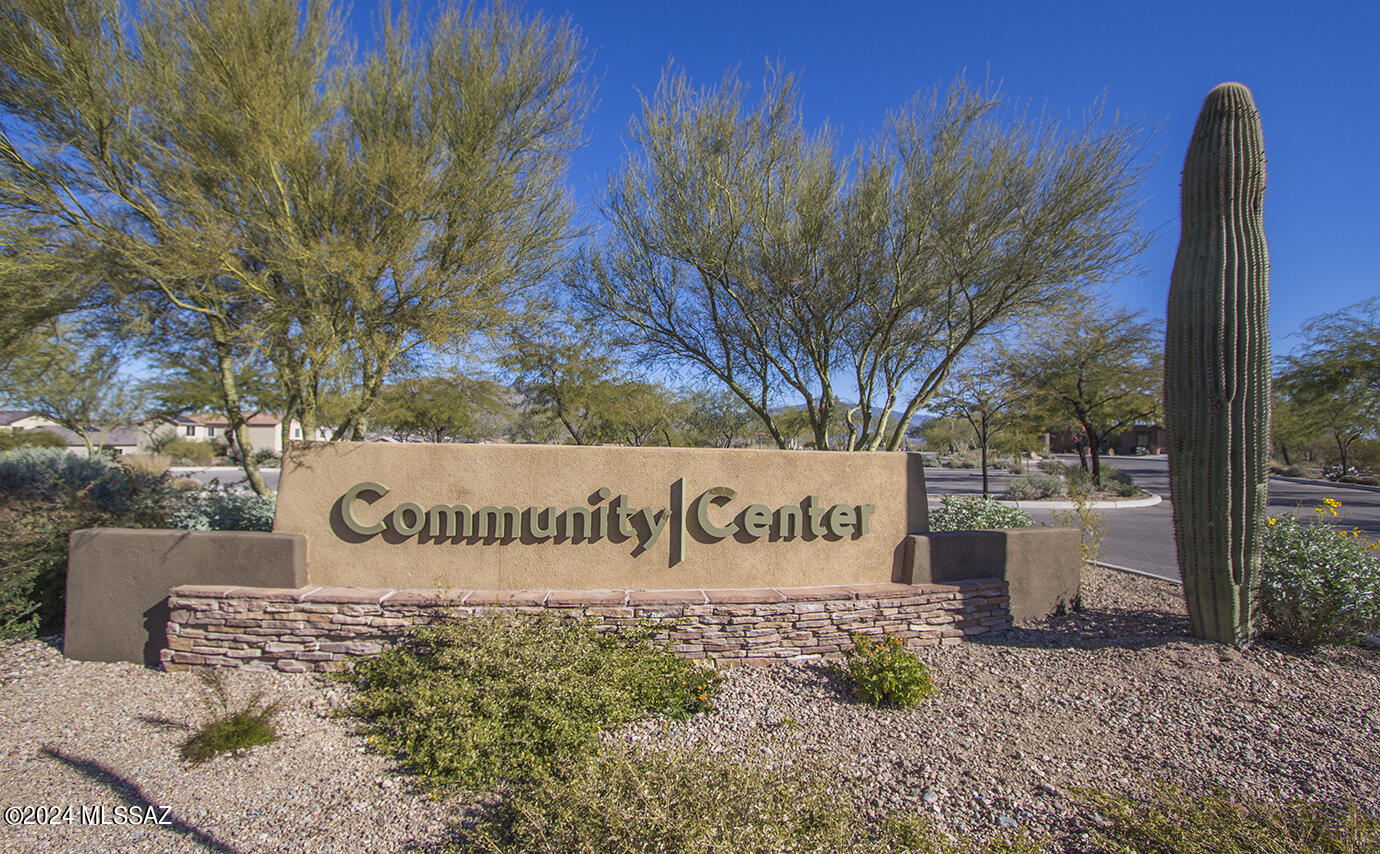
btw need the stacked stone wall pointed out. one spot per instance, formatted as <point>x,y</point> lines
<point>323,628</point>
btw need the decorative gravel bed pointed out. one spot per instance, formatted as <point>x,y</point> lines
<point>1115,696</point>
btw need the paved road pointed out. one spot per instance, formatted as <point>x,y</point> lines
<point>1143,537</point>
<point>226,475</point>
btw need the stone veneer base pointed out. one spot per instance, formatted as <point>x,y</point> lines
<point>323,628</point>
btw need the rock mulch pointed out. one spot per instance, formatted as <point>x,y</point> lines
<point>1115,696</point>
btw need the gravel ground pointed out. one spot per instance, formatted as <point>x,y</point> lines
<point>1115,696</point>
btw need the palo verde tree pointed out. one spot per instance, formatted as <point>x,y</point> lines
<point>150,138</point>
<point>1332,385</point>
<point>767,258</point>
<point>437,201</point>
<point>443,408</point>
<point>1100,369</point>
<point>74,383</point>
<point>231,165</point>
<point>564,375</point>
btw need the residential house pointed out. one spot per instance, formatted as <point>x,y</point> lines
<point>265,430</point>
<point>16,419</point>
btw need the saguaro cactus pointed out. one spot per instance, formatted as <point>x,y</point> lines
<point>1217,367</point>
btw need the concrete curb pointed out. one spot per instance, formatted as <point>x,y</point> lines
<point>1129,503</point>
<point>1308,481</point>
<point>1139,572</point>
<point>190,469</point>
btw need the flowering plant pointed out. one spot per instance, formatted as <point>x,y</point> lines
<point>1320,584</point>
<point>885,673</point>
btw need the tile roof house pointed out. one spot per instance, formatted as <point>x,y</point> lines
<point>265,429</point>
<point>22,419</point>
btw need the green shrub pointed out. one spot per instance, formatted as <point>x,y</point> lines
<point>33,570</point>
<point>47,493</point>
<point>49,473</point>
<point>502,697</point>
<point>1076,480</point>
<point>13,439</point>
<point>1032,487</point>
<point>1176,821</point>
<point>1091,524</point>
<point>190,453</point>
<point>266,457</point>
<point>1118,483</point>
<point>1319,584</point>
<point>976,513</point>
<point>885,673</point>
<point>137,498</point>
<point>230,729</point>
<point>628,799</point>
<point>215,508</point>
<point>1287,470</point>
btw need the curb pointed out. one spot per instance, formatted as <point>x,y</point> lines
<point>1129,503</point>
<point>189,469</point>
<point>1139,572</point>
<point>1308,481</point>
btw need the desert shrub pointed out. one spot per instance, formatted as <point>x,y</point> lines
<point>628,799</point>
<point>151,464</point>
<point>1032,487</point>
<point>976,513</point>
<point>231,727</point>
<point>125,496</point>
<point>45,494</point>
<point>885,673</point>
<point>1175,820</point>
<point>49,473</point>
<point>1077,481</point>
<point>266,457</point>
<point>1319,584</point>
<point>1286,470</point>
<point>189,453</point>
<point>961,461</point>
<point>504,697</point>
<point>12,439</point>
<point>33,572</point>
<point>216,508</point>
<point>1118,483</point>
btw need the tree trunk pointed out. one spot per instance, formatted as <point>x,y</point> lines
<point>1094,449</point>
<point>984,467</point>
<point>234,414</point>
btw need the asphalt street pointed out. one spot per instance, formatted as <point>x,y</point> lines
<point>1143,537</point>
<point>1139,538</point>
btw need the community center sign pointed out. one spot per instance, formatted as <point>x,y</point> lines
<point>515,517</point>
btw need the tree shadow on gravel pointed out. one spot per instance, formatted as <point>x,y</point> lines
<point>133,795</point>
<point>1097,628</point>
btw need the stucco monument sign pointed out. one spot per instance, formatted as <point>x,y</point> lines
<point>504,517</point>
<point>745,556</point>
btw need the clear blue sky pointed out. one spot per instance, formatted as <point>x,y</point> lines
<point>1312,67</point>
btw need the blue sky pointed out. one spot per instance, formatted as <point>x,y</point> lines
<point>1311,66</point>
